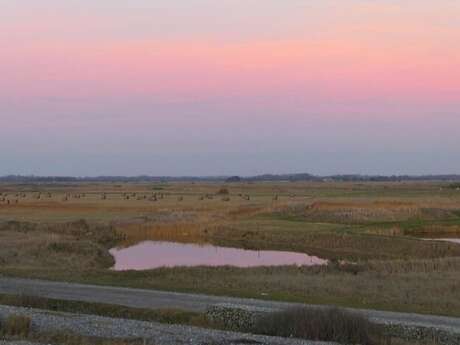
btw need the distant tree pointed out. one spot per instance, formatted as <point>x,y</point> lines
<point>233,179</point>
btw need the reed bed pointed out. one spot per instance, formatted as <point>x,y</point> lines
<point>182,232</point>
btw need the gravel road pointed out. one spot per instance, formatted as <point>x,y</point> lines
<point>152,299</point>
<point>151,332</point>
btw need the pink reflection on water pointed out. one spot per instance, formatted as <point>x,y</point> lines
<point>453,240</point>
<point>445,239</point>
<point>153,254</point>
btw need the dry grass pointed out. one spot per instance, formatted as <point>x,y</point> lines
<point>75,245</point>
<point>68,338</point>
<point>16,325</point>
<point>323,324</point>
<point>195,229</point>
<point>414,266</point>
<point>333,325</point>
<point>168,316</point>
<point>331,241</point>
<point>357,212</point>
<point>391,205</point>
<point>378,285</point>
<point>367,223</point>
<point>436,230</point>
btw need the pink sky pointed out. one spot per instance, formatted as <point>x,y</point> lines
<point>229,87</point>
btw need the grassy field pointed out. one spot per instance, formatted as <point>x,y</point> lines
<point>370,232</point>
<point>329,325</point>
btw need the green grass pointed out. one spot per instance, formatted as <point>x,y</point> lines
<point>406,286</point>
<point>68,338</point>
<point>331,241</point>
<point>169,316</point>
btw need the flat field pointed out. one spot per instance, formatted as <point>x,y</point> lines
<point>374,235</point>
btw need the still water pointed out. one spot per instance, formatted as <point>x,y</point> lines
<point>154,254</point>
<point>453,240</point>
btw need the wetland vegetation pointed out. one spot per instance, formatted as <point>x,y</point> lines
<point>371,233</point>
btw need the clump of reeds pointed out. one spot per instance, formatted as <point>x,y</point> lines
<point>323,324</point>
<point>223,191</point>
<point>16,325</point>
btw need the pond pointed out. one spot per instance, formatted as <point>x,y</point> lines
<point>453,240</point>
<point>155,254</point>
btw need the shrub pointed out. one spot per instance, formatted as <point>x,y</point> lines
<point>16,325</point>
<point>60,247</point>
<point>223,191</point>
<point>328,324</point>
<point>233,179</point>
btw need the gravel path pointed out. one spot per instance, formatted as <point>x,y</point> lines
<point>152,333</point>
<point>152,299</point>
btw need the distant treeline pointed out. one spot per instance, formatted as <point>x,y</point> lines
<point>259,178</point>
<point>348,178</point>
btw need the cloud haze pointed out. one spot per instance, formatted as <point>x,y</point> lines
<point>229,87</point>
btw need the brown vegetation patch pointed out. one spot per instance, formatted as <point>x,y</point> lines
<point>16,325</point>
<point>363,212</point>
<point>329,324</point>
<point>245,211</point>
<point>75,245</point>
<point>329,205</point>
<point>182,232</point>
<point>436,231</point>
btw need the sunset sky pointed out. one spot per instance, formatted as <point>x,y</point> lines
<point>206,87</point>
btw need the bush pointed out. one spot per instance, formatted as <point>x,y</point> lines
<point>60,247</point>
<point>16,325</point>
<point>223,191</point>
<point>329,324</point>
<point>455,186</point>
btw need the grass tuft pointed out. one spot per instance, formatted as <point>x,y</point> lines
<point>321,324</point>
<point>16,325</point>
